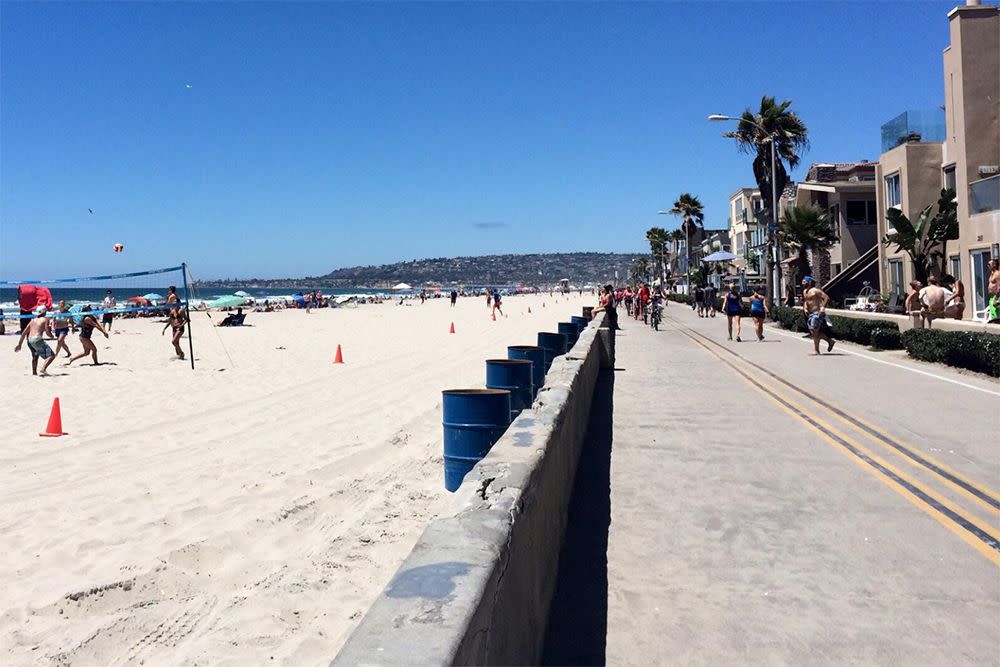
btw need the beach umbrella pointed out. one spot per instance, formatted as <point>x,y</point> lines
<point>721,256</point>
<point>153,296</point>
<point>401,286</point>
<point>240,293</point>
<point>138,300</point>
<point>226,302</point>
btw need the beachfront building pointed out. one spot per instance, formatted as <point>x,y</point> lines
<point>845,191</point>
<point>746,234</point>
<point>925,151</point>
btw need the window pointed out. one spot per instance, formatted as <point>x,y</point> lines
<point>893,196</point>
<point>860,212</point>
<point>833,215</point>
<point>896,277</point>
<point>834,269</point>
<point>955,266</point>
<point>948,180</point>
<point>980,276</point>
<point>758,204</point>
<point>738,209</point>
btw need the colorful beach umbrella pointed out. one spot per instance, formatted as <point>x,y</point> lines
<point>153,296</point>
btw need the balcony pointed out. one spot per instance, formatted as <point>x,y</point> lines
<point>984,195</point>
<point>913,126</point>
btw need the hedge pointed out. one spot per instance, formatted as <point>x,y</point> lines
<point>880,334</point>
<point>974,350</point>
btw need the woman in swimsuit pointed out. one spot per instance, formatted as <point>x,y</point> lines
<point>61,323</point>
<point>176,321</point>
<point>87,326</point>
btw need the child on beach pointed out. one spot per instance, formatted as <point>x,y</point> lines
<point>34,332</point>
<point>87,326</point>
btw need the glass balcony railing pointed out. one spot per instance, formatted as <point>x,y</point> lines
<point>913,126</point>
<point>984,195</point>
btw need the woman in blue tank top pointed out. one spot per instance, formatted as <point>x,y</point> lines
<point>758,311</point>
<point>733,307</point>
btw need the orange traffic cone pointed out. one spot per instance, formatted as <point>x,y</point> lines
<point>54,429</point>
<point>338,358</point>
<point>452,330</point>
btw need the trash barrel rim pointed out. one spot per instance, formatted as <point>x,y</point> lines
<point>476,391</point>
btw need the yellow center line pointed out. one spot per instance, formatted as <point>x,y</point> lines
<point>859,425</point>
<point>826,433</point>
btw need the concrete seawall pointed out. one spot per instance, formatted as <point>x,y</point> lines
<point>477,587</point>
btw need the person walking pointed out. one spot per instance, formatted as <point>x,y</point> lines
<point>496,302</point>
<point>699,300</point>
<point>814,302</point>
<point>758,311</point>
<point>454,298</point>
<point>711,293</point>
<point>732,306</point>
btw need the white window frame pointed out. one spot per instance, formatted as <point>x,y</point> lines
<point>899,190</point>
<point>977,305</point>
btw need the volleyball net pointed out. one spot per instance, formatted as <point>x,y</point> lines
<point>138,294</point>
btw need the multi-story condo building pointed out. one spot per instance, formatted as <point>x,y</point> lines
<point>923,153</point>
<point>744,205</point>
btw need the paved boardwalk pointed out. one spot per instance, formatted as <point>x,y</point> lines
<point>768,507</point>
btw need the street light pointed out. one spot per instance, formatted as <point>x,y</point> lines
<point>769,279</point>
<point>687,253</point>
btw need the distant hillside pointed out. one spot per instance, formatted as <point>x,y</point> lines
<point>531,270</point>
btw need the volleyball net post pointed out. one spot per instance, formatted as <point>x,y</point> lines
<point>187,313</point>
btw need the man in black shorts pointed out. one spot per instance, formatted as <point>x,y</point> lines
<point>109,303</point>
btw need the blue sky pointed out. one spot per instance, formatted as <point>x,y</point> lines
<point>315,136</point>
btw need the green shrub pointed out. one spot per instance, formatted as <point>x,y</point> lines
<point>789,318</point>
<point>860,330</point>
<point>974,350</point>
<point>886,339</point>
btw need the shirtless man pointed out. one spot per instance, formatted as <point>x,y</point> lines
<point>34,332</point>
<point>177,320</point>
<point>814,302</point>
<point>993,291</point>
<point>933,299</point>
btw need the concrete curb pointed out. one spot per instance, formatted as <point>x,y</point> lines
<point>477,586</point>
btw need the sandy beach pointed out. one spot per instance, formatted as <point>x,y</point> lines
<point>248,510</point>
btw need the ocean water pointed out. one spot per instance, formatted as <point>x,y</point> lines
<point>95,295</point>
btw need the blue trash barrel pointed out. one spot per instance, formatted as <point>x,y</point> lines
<point>534,354</point>
<point>554,344</point>
<point>588,312</point>
<point>571,331</point>
<point>474,419</point>
<point>580,322</point>
<point>514,375</point>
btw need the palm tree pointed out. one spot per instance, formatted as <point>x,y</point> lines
<point>639,271</point>
<point>920,240</point>
<point>805,229</point>
<point>753,135</point>
<point>690,209</point>
<point>657,237</point>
